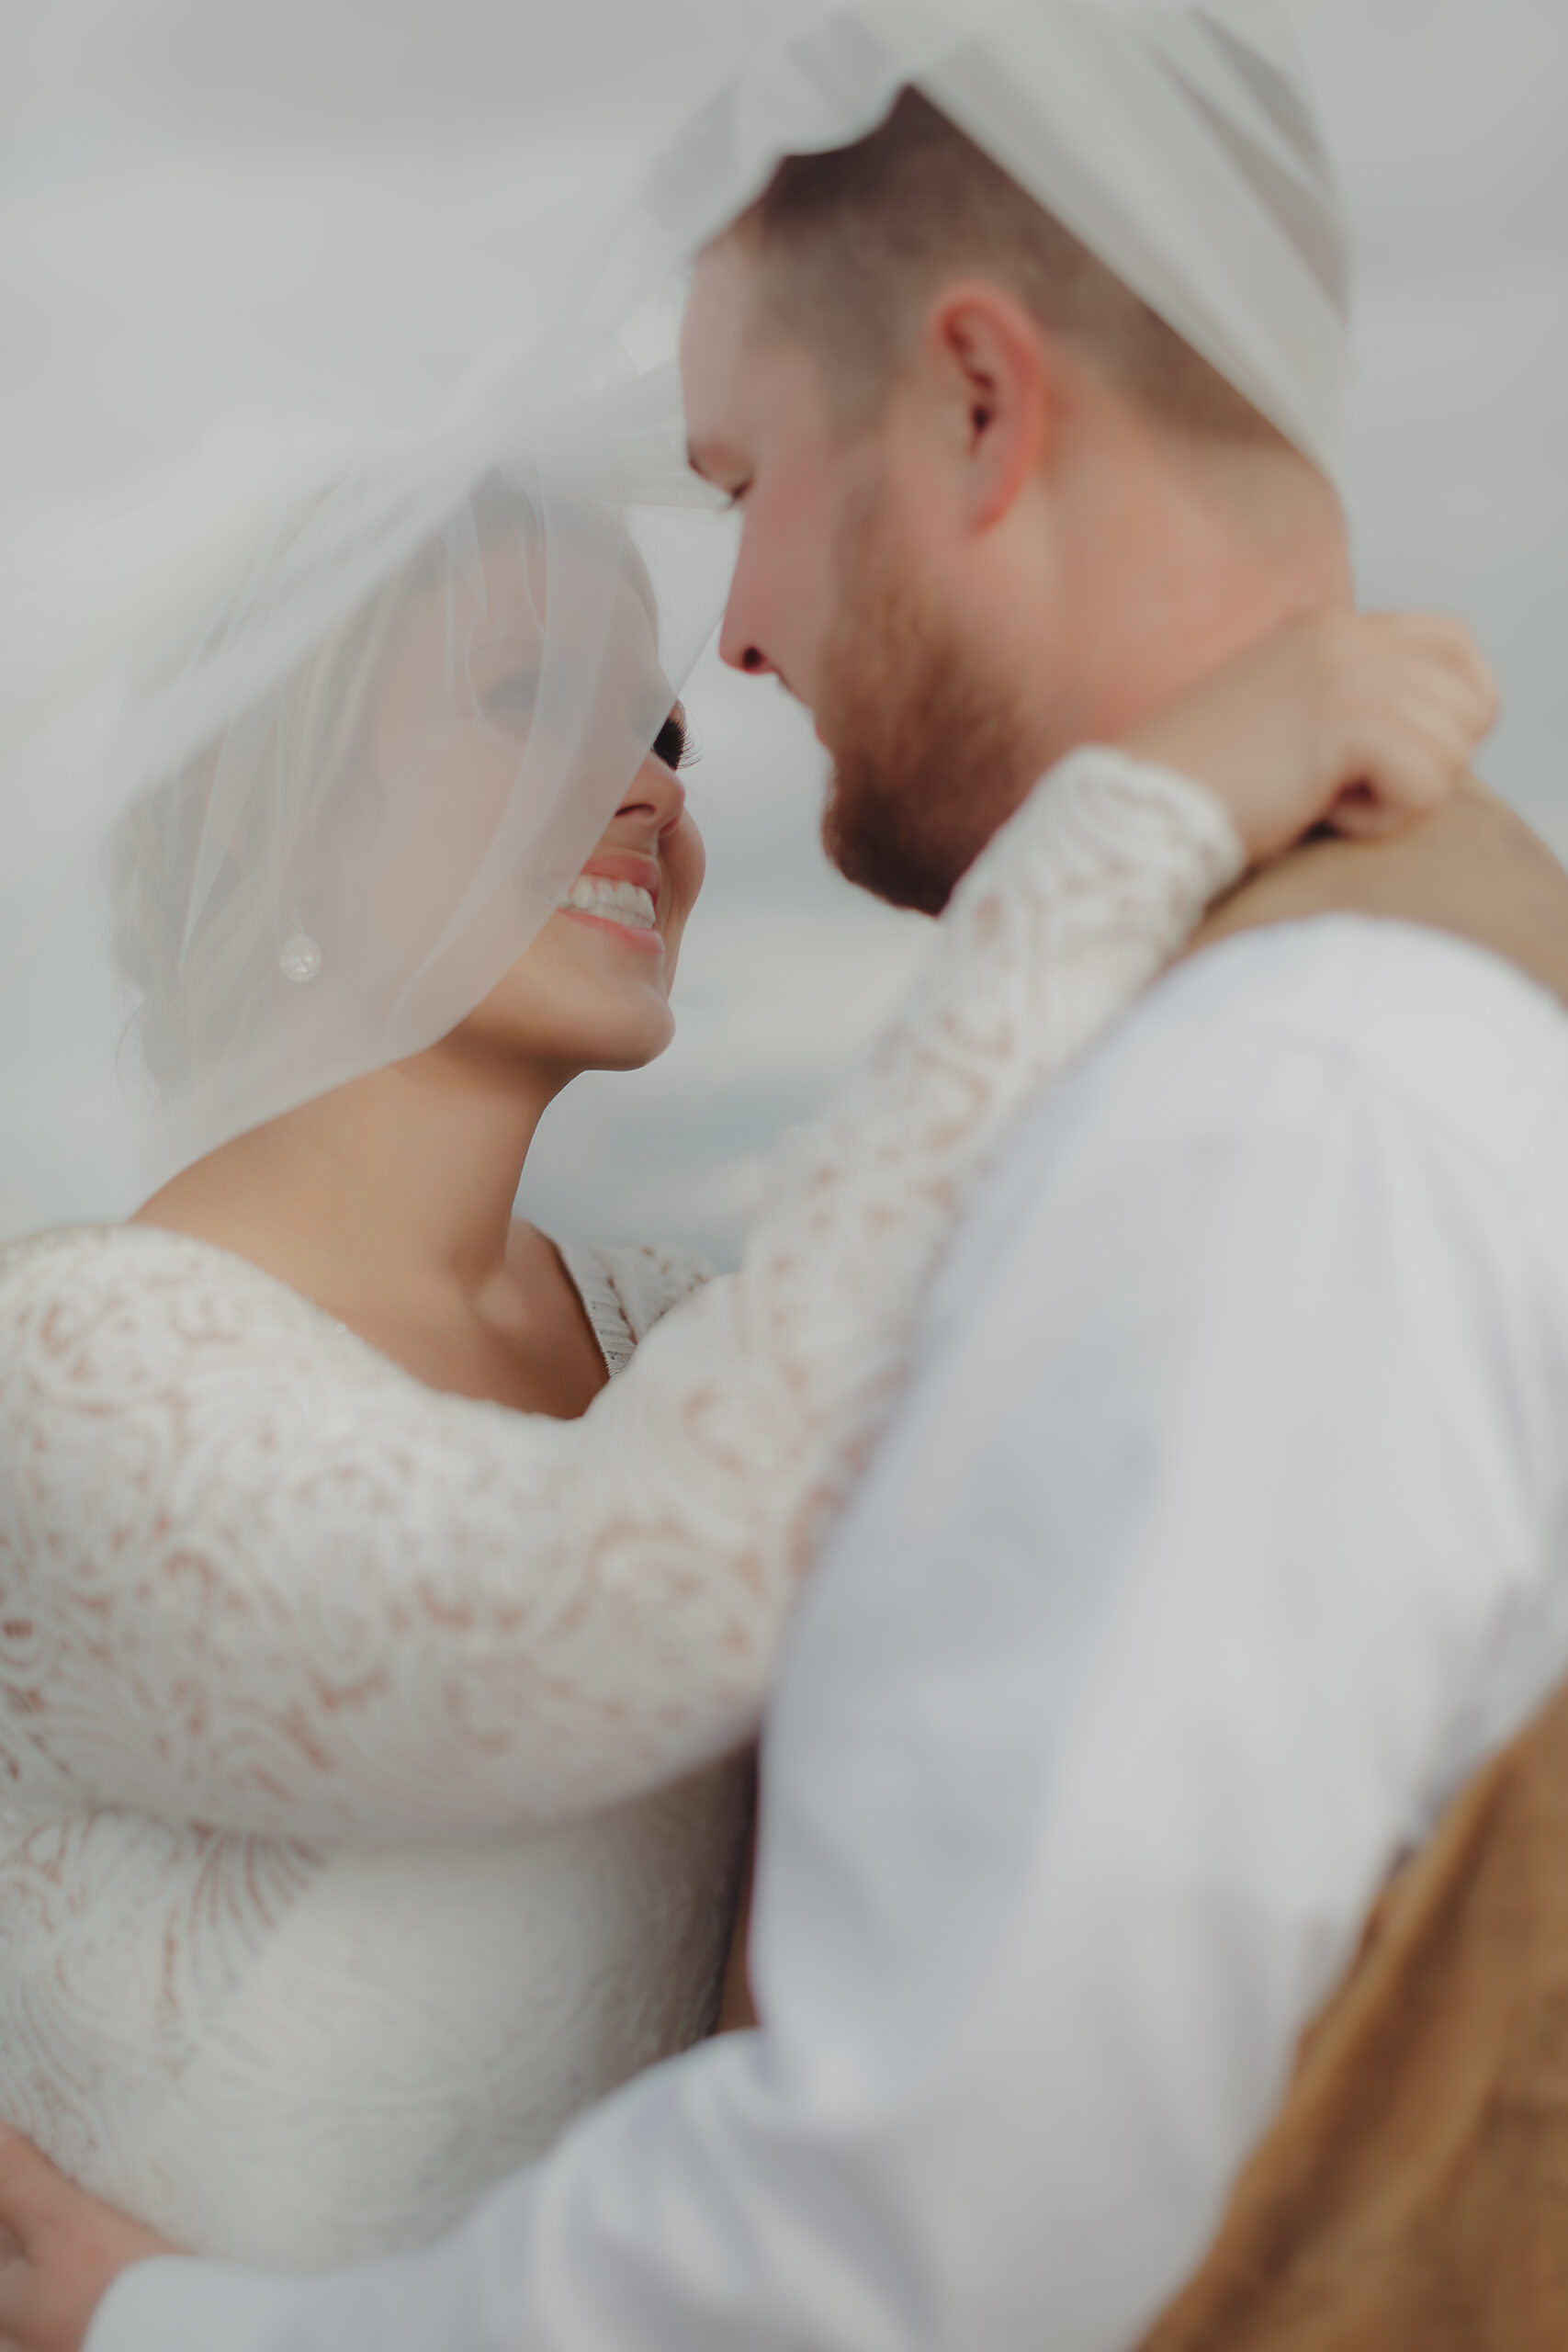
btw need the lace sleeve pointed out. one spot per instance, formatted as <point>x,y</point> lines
<point>257,1577</point>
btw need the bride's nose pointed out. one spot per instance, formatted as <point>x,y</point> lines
<point>656,795</point>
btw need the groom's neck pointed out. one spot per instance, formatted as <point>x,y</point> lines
<point>1174,556</point>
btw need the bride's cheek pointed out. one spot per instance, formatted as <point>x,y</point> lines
<point>442,814</point>
<point>685,860</point>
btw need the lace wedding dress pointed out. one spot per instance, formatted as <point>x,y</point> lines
<point>364,1802</point>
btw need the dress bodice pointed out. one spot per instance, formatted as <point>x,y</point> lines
<point>293,2053</point>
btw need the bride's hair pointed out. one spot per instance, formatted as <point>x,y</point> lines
<point>197,974</point>
<point>855,240</point>
<point>242,822</point>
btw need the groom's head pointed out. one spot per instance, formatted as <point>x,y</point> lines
<point>993,504</point>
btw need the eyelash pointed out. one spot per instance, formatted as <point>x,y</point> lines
<point>688,751</point>
<point>521,692</point>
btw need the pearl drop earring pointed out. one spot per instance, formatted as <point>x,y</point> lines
<point>300,957</point>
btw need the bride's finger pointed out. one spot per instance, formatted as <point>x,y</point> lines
<point>1451,639</point>
<point>1471,700</point>
<point>1405,656</point>
<point>1425,705</point>
<point>28,2190</point>
<point>69,2250</point>
<point>1414,667</point>
<point>1468,703</point>
<point>1441,635</point>
<point>1407,770</point>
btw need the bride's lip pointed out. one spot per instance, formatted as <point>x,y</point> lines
<point>648,943</point>
<point>629,877</point>
<point>625,865</point>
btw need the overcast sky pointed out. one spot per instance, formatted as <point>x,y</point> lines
<point>193,220</point>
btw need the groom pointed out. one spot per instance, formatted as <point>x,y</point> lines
<point>1179,1678</point>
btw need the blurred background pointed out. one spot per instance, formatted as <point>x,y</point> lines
<point>330,207</point>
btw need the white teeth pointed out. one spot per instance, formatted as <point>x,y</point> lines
<point>621,902</point>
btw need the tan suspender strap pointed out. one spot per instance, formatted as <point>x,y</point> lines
<point>1412,2195</point>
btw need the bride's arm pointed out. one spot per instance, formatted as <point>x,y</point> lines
<point>258,1577</point>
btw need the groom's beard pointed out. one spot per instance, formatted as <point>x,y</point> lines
<point>928,755</point>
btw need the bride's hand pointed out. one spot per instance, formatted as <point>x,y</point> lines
<point>60,2251</point>
<point>1362,721</point>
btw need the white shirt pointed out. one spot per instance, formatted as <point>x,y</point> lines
<point>1220,1533</point>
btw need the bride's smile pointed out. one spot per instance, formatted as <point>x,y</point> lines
<point>599,895</point>
<point>591,990</point>
<point>477,699</point>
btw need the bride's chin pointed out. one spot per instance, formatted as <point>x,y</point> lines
<point>575,1000</point>
<point>630,1044</point>
<point>626,1034</point>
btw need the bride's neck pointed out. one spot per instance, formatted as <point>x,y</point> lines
<point>384,1195</point>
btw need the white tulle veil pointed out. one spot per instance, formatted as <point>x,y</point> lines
<point>306,744</point>
<point>1176,141</point>
<point>300,745</point>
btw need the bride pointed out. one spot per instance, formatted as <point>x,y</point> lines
<point>381,1637</point>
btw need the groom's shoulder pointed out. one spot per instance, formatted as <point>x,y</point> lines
<point>1434,1016</point>
<point>1275,1046</point>
<point>1280,1101</point>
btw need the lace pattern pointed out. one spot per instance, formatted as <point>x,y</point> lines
<point>258,1575</point>
<point>627,1290</point>
<point>202,2026</point>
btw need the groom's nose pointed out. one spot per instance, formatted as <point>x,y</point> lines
<point>739,634</point>
<point>736,648</point>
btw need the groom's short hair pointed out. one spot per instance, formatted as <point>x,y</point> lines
<point>855,241</point>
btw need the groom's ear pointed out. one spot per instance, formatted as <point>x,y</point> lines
<point>989,381</point>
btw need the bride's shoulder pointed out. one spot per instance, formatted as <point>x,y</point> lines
<point>54,1243</point>
<point>129,1290</point>
<point>642,1280</point>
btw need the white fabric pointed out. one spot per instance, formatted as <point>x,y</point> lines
<point>288,1637</point>
<point>300,747</point>
<point>374,697</point>
<point>626,1291</point>
<point>287,2048</point>
<point>1223,1528</point>
<point>1177,142</point>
